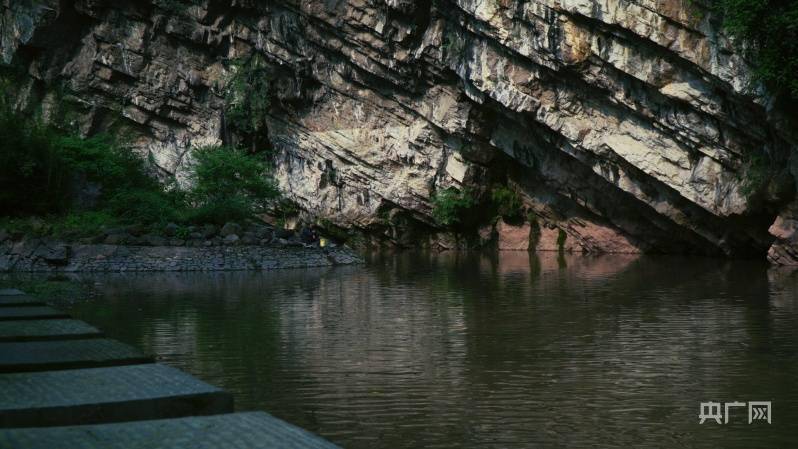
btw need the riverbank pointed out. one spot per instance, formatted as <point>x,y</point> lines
<point>44,255</point>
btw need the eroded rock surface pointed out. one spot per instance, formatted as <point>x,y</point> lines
<point>627,125</point>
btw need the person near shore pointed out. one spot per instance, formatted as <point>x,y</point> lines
<point>309,235</point>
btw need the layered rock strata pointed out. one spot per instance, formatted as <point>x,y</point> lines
<point>629,126</point>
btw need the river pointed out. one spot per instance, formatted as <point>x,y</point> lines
<point>483,350</point>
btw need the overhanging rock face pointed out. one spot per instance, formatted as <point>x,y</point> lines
<point>625,124</point>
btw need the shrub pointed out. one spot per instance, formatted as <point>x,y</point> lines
<point>146,206</point>
<point>507,202</point>
<point>101,160</point>
<point>756,175</point>
<point>34,177</point>
<point>41,170</point>
<point>450,206</point>
<point>769,31</point>
<point>248,99</point>
<point>229,184</point>
<point>87,223</point>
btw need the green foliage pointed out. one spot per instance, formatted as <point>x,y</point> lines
<point>182,232</point>
<point>334,232</point>
<point>453,45</point>
<point>73,224</point>
<point>82,224</point>
<point>756,175</point>
<point>43,171</point>
<point>507,202</point>
<point>769,30</point>
<point>34,178</point>
<point>229,184</point>
<point>146,206</point>
<point>561,238</point>
<point>451,205</point>
<point>248,96</point>
<point>103,161</point>
<point>171,6</point>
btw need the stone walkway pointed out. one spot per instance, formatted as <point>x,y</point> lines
<point>37,330</point>
<point>30,313</point>
<point>67,354</point>
<point>62,385</point>
<point>18,300</point>
<point>251,430</point>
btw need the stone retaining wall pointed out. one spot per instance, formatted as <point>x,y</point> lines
<point>49,256</point>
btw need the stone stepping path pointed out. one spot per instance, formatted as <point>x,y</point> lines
<point>30,313</point>
<point>67,354</point>
<point>253,430</point>
<point>61,385</point>
<point>102,395</point>
<point>38,330</point>
<point>19,300</point>
<point>10,292</point>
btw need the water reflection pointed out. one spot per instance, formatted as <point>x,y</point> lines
<point>483,350</point>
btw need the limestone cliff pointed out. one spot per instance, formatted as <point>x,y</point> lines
<point>628,125</point>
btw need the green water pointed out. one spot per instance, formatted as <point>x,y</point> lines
<point>483,351</point>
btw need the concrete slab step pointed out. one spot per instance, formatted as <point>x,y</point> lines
<point>103,395</point>
<point>10,292</point>
<point>39,330</point>
<point>252,430</point>
<point>19,300</point>
<point>30,313</point>
<point>67,354</point>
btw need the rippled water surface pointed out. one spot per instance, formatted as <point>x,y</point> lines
<point>478,350</point>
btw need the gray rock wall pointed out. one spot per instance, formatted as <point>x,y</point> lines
<point>625,124</point>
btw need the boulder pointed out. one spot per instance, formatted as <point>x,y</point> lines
<point>117,239</point>
<point>53,253</point>
<point>784,249</point>
<point>171,229</point>
<point>283,233</point>
<point>209,231</point>
<point>249,240</point>
<point>262,232</point>
<point>230,228</point>
<point>487,234</point>
<point>153,240</point>
<point>231,239</point>
<point>513,237</point>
